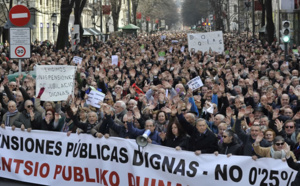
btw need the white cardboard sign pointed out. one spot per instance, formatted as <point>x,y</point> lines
<point>94,97</point>
<point>195,83</point>
<point>206,41</point>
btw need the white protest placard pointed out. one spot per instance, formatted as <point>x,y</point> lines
<point>206,41</point>
<point>77,60</point>
<point>114,60</point>
<point>58,81</point>
<point>195,83</point>
<point>94,97</point>
<point>182,49</point>
<point>174,41</point>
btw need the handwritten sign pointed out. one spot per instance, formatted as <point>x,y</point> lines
<point>94,97</point>
<point>77,60</point>
<point>206,41</point>
<point>58,81</point>
<point>195,83</point>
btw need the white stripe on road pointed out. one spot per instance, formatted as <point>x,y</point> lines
<point>19,15</point>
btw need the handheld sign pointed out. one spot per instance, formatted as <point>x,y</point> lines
<point>114,60</point>
<point>206,41</point>
<point>94,97</point>
<point>195,83</point>
<point>77,60</point>
<point>58,81</point>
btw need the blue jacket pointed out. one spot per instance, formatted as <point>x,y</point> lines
<point>154,136</point>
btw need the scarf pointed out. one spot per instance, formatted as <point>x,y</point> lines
<point>8,115</point>
<point>67,124</point>
<point>277,154</point>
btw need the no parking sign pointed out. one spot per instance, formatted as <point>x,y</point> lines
<point>19,42</point>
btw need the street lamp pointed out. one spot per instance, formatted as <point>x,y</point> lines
<point>54,20</point>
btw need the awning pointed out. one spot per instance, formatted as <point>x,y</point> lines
<point>91,32</point>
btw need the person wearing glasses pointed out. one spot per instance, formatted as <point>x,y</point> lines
<point>290,130</point>
<point>276,151</point>
<point>29,118</point>
<point>229,146</point>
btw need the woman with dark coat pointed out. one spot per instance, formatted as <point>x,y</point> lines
<point>229,146</point>
<point>175,136</point>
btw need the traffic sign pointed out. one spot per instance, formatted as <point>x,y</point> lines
<point>20,51</point>
<point>19,39</point>
<point>19,15</point>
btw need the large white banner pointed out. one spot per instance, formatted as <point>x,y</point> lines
<point>58,81</point>
<point>206,41</point>
<point>52,158</point>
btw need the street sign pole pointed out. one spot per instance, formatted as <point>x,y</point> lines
<point>19,36</point>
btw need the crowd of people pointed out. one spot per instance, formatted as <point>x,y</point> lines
<point>253,90</point>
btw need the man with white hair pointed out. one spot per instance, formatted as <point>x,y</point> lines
<point>11,115</point>
<point>120,108</point>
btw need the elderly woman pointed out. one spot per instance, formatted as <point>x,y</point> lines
<point>275,151</point>
<point>269,135</point>
<point>161,121</point>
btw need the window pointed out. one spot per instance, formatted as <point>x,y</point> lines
<point>235,8</point>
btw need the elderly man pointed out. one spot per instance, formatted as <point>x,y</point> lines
<point>11,115</point>
<point>120,108</point>
<point>29,118</point>
<point>248,139</point>
<point>153,138</point>
<point>214,124</point>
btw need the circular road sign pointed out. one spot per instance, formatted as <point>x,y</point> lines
<point>19,15</point>
<point>20,51</point>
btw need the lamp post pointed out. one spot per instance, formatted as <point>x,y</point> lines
<point>54,20</point>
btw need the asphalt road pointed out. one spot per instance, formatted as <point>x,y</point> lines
<point>9,182</point>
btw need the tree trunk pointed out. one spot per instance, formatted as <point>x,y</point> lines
<point>135,4</point>
<point>270,24</point>
<point>129,12</point>
<point>134,8</point>
<point>79,5</point>
<point>228,17</point>
<point>115,10</point>
<point>63,35</point>
<point>263,13</point>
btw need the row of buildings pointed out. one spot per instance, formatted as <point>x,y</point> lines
<point>237,16</point>
<point>45,18</point>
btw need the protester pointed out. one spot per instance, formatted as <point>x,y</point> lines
<point>250,88</point>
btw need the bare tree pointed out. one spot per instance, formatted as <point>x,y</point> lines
<point>65,11</point>
<point>135,4</point>
<point>79,5</point>
<point>270,24</point>
<point>115,11</point>
<point>217,9</point>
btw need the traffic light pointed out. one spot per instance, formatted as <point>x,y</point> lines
<point>75,37</point>
<point>286,31</point>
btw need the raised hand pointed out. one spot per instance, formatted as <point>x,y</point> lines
<point>136,112</point>
<point>241,113</point>
<point>259,137</point>
<point>278,124</point>
<point>129,116</point>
